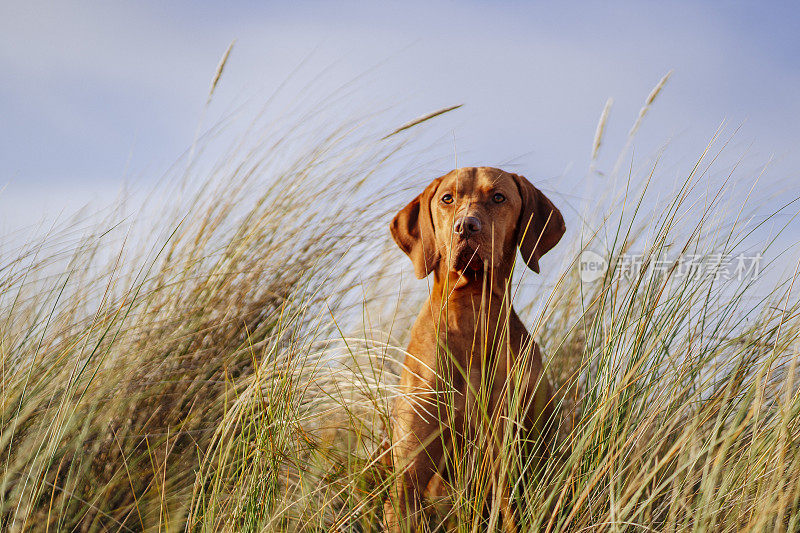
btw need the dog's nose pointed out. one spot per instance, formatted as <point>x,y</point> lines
<point>466,226</point>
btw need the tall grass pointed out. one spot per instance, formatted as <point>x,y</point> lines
<point>123,352</point>
<point>234,369</point>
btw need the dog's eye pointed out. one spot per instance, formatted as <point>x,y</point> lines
<point>498,198</point>
<point>447,199</point>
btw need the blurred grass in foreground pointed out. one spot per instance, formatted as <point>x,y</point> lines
<point>236,372</point>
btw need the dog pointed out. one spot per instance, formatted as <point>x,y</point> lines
<point>465,228</point>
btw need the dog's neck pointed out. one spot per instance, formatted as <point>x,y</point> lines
<point>469,315</point>
<point>481,292</point>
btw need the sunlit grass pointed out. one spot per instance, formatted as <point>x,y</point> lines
<point>233,368</point>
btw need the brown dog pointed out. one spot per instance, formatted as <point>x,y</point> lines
<point>465,227</point>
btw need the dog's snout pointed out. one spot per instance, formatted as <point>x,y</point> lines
<point>467,226</point>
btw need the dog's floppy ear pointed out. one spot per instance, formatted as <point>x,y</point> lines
<point>540,225</point>
<point>412,230</point>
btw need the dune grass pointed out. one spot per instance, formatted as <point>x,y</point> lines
<point>234,368</point>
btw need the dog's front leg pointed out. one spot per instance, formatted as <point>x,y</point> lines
<point>418,444</point>
<point>502,493</point>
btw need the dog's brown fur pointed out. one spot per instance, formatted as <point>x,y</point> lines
<point>454,334</point>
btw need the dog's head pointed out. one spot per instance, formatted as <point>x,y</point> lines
<point>473,219</point>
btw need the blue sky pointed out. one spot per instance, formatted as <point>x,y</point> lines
<point>97,94</point>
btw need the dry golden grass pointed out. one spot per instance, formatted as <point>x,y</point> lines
<point>234,372</point>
